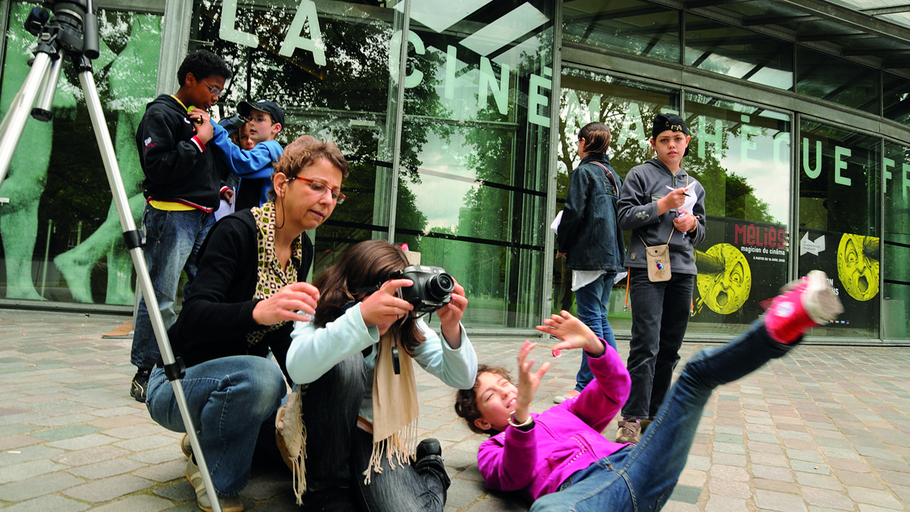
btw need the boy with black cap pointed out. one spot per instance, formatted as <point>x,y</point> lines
<point>265,119</point>
<point>662,205</point>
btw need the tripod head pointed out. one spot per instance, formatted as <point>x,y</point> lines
<point>63,27</point>
<point>69,25</point>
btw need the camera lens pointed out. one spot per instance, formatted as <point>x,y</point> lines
<point>440,286</point>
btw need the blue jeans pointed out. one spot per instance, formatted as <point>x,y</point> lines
<point>593,305</point>
<point>172,242</point>
<point>229,400</point>
<point>660,314</point>
<point>642,477</point>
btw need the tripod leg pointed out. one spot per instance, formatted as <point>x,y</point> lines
<point>14,122</point>
<point>93,103</point>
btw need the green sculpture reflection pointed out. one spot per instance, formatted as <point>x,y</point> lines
<point>27,175</point>
<point>132,86</point>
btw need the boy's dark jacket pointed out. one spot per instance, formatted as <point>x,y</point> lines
<point>175,169</point>
<point>588,232</point>
<point>218,312</point>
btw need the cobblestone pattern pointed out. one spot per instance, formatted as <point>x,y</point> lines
<point>824,429</point>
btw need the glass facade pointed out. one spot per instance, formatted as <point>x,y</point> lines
<point>61,237</point>
<point>896,243</point>
<point>895,98</point>
<point>741,155</point>
<point>480,146</point>
<point>445,112</point>
<point>738,53</point>
<point>629,26</point>
<point>837,80</point>
<point>839,220</point>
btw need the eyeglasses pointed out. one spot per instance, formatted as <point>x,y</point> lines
<point>261,118</point>
<point>214,90</point>
<point>320,187</point>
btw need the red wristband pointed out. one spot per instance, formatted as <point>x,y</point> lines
<point>199,143</point>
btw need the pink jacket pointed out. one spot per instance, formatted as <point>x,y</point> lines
<point>565,438</point>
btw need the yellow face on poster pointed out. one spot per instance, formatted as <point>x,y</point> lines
<point>857,265</point>
<point>726,291</point>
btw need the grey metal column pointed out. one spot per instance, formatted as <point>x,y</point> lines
<point>399,116</point>
<point>550,240</point>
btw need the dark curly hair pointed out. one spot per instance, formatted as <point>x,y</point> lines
<point>466,399</point>
<point>365,265</point>
<point>202,64</point>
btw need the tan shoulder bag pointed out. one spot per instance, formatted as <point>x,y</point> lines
<point>658,257</point>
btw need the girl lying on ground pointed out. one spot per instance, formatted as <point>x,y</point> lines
<point>559,457</point>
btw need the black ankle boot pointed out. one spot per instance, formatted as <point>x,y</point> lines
<point>429,446</point>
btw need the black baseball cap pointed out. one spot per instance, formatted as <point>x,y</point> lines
<point>664,122</point>
<point>269,107</point>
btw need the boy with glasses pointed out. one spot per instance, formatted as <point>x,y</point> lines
<point>264,121</point>
<point>182,187</point>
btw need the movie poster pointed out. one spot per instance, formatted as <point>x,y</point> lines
<point>740,265</point>
<point>852,264</point>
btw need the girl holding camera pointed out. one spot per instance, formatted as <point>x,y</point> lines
<point>354,413</point>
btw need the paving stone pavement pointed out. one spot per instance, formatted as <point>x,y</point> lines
<point>823,429</point>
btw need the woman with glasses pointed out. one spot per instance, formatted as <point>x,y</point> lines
<point>248,291</point>
<point>358,397</point>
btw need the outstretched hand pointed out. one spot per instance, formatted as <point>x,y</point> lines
<point>573,333</point>
<point>528,381</point>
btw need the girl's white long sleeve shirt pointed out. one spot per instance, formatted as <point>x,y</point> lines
<point>315,350</point>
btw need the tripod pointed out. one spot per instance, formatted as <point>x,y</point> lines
<point>72,31</point>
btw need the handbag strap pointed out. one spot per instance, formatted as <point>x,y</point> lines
<point>609,175</point>
<point>646,244</point>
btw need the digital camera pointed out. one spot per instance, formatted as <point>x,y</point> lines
<point>432,287</point>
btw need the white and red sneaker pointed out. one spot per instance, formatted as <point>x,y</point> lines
<point>805,303</point>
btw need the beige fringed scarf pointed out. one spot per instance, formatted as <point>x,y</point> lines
<point>395,408</point>
<point>395,413</point>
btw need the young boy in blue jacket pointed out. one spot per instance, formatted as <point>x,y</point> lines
<point>265,119</point>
